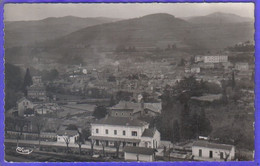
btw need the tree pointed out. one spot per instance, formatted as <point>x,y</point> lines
<point>100,112</point>
<point>72,127</point>
<point>80,140</point>
<point>111,78</point>
<point>117,145</point>
<point>194,120</point>
<point>204,125</point>
<point>233,81</point>
<point>185,122</point>
<point>176,131</point>
<point>182,62</point>
<point>112,101</point>
<point>103,143</point>
<point>27,81</point>
<point>20,122</point>
<point>13,85</point>
<point>224,97</point>
<point>13,77</point>
<point>92,143</point>
<point>67,141</point>
<point>39,122</point>
<point>50,75</point>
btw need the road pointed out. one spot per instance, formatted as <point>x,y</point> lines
<point>16,159</point>
<point>84,146</point>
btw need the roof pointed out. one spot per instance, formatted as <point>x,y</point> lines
<point>139,150</point>
<point>21,99</point>
<point>128,105</point>
<point>114,139</point>
<point>36,87</point>
<point>67,132</point>
<point>148,133</point>
<point>212,145</point>
<point>120,121</point>
<point>155,107</point>
<point>207,97</point>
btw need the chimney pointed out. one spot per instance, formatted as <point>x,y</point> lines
<point>125,104</point>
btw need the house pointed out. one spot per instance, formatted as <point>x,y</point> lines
<point>206,65</point>
<point>131,109</point>
<point>36,92</point>
<point>70,136</point>
<point>46,108</point>
<point>127,109</point>
<point>37,80</point>
<point>150,138</point>
<point>139,154</point>
<point>242,66</point>
<point>152,109</point>
<point>22,105</point>
<point>198,59</point>
<point>195,69</point>
<point>216,59</point>
<point>209,151</point>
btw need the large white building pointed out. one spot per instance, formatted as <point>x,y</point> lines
<point>120,126</point>
<point>208,151</point>
<point>112,129</point>
<point>216,59</point>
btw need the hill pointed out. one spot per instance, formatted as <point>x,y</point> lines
<point>151,31</point>
<point>219,18</point>
<point>22,33</point>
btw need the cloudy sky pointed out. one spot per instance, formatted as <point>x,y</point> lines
<point>17,12</point>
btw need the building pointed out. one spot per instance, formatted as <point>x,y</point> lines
<point>150,138</point>
<point>199,59</point>
<point>216,59</point>
<point>152,109</point>
<point>70,136</point>
<point>139,154</point>
<point>195,69</point>
<point>22,105</point>
<point>37,80</point>
<point>118,129</point>
<point>36,92</point>
<point>126,109</point>
<point>208,151</point>
<point>131,109</point>
<point>46,108</point>
<point>242,66</point>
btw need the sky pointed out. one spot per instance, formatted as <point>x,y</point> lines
<point>20,12</point>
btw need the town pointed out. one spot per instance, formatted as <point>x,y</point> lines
<point>113,112</point>
<point>145,87</point>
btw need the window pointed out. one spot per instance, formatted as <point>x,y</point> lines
<point>116,113</point>
<point>210,154</point>
<point>200,152</point>
<point>115,132</point>
<point>122,113</point>
<point>96,130</point>
<point>221,155</point>
<point>134,133</point>
<point>123,132</point>
<point>106,131</point>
